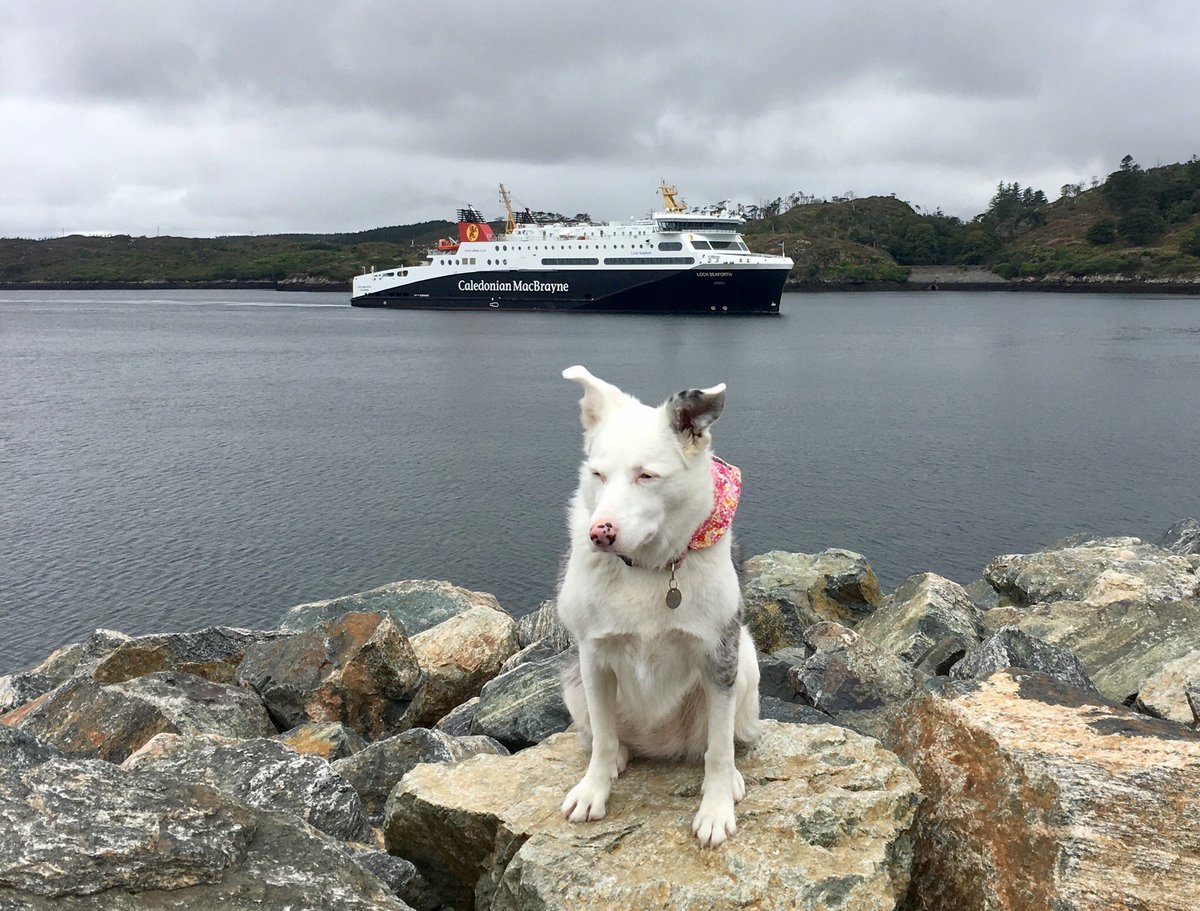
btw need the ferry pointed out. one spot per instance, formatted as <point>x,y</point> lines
<point>681,260</point>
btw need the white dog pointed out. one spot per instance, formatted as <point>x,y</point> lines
<point>650,593</point>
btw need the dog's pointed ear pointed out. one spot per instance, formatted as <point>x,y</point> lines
<point>693,411</point>
<point>599,397</point>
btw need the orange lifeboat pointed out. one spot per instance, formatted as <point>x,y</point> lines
<point>447,246</point>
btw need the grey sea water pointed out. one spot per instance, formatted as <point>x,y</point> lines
<point>172,460</point>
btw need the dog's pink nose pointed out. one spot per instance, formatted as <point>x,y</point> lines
<point>603,535</point>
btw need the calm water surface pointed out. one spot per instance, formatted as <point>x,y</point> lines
<point>173,460</point>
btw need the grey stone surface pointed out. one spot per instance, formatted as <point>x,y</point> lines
<point>1181,538</point>
<point>544,623</point>
<point>20,750</point>
<point>785,593</point>
<point>1094,571</point>
<point>1010,647</point>
<point>457,722</point>
<point>415,604</point>
<point>374,771</point>
<point>923,611</point>
<point>823,826</point>
<point>525,705</point>
<point>848,673</point>
<point>262,774</point>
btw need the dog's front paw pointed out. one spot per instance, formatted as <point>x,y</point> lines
<point>586,801</point>
<point>715,821</point>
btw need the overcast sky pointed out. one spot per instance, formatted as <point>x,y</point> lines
<point>248,117</point>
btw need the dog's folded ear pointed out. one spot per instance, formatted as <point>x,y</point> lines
<point>599,397</point>
<point>693,411</point>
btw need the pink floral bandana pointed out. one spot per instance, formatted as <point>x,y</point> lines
<point>727,488</point>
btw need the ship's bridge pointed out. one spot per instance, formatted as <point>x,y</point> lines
<point>681,222</point>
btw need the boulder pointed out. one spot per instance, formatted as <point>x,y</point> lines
<point>851,678</point>
<point>328,739</point>
<point>1009,646</point>
<point>20,751</point>
<point>399,875</point>
<point>525,705</point>
<point>262,774</point>
<point>785,593</point>
<point>213,653</point>
<point>544,623</point>
<point>1040,795</point>
<point>1094,571</point>
<point>776,709</point>
<point>534,651</point>
<point>773,670</point>
<point>81,835</point>
<point>457,722</point>
<point>1182,538</point>
<point>823,825</point>
<point>924,611</point>
<point>415,604</point>
<point>1120,644</point>
<point>358,669</point>
<point>458,656</point>
<point>78,658</point>
<point>84,719</point>
<point>374,771</point>
<point>1165,693</point>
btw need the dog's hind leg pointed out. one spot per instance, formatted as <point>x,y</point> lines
<point>723,783</point>
<point>589,799</point>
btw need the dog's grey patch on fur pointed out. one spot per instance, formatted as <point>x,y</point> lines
<point>571,674</point>
<point>723,663</point>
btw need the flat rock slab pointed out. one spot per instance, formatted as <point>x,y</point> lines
<point>822,826</point>
<point>1041,796</point>
<point>416,604</point>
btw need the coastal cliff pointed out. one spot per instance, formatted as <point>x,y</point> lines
<point>1026,741</point>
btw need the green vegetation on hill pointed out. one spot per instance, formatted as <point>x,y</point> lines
<point>1136,223</point>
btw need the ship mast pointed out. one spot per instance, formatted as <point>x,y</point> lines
<point>511,224</point>
<point>670,203</point>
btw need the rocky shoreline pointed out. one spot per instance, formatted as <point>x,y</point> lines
<point>1028,741</point>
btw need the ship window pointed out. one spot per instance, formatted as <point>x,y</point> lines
<point>569,261</point>
<point>670,245</point>
<point>701,245</point>
<point>649,261</point>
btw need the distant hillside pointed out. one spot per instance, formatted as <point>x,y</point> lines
<point>309,258</point>
<point>1135,224</point>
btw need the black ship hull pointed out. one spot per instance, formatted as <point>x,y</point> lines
<point>719,290</point>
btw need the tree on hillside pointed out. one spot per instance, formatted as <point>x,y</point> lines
<point>1014,209</point>
<point>1141,227</point>
<point>1126,188</point>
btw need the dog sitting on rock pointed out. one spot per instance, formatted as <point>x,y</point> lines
<point>650,594</point>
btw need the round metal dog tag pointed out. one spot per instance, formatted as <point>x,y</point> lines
<point>674,598</point>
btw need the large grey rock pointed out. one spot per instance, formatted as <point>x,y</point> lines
<point>76,659</point>
<point>358,669</point>
<point>20,750</point>
<point>262,774</point>
<point>822,826</point>
<point>773,670</point>
<point>849,673</point>
<point>785,593</point>
<point>89,836</point>
<point>399,875</point>
<point>925,610</point>
<point>213,653</point>
<point>1039,795</point>
<point>1094,571</point>
<point>525,705</point>
<point>1182,538</point>
<point>457,657</point>
<point>1010,647</point>
<point>544,623</point>
<point>1165,694</point>
<point>457,722</point>
<point>1120,644</point>
<point>87,720</point>
<point>415,604</point>
<point>374,771</point>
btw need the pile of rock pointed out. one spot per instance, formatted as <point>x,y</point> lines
<point>1027,741</point>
